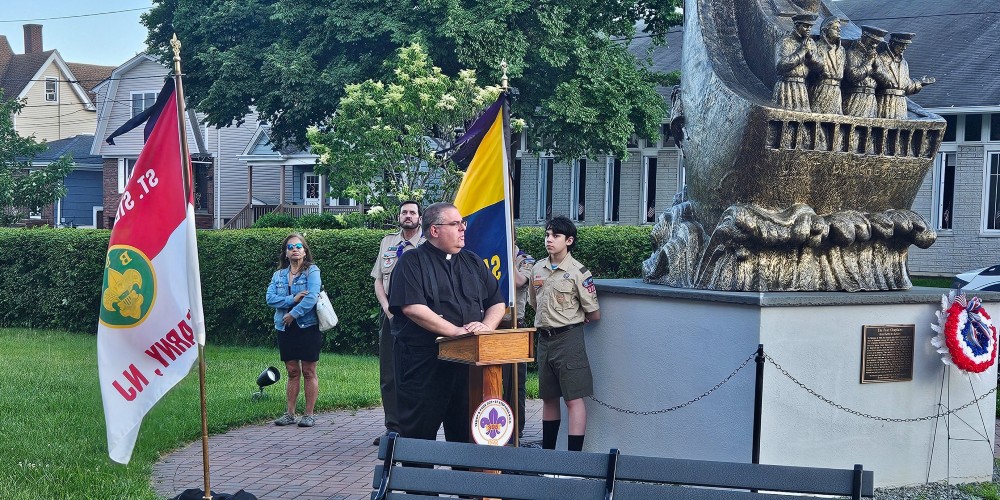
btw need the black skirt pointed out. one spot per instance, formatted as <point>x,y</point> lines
<point>302,344</point>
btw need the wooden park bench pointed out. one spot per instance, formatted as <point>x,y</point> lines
<point>532,474</point>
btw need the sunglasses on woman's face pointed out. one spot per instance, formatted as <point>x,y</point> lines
<point>292,246</point>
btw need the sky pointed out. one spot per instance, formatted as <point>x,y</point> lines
<point>108,38</point>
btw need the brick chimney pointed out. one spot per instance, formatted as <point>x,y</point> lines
<point>32,38</point>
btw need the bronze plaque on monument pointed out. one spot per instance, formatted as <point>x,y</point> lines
<point>886,353</point>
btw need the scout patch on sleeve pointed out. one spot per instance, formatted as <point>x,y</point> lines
<point>387,263</point>
<point>589,285</point>
<point>584,270</point>
<point>537,282</point>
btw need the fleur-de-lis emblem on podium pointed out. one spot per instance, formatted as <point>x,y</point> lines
<point>493,424</point>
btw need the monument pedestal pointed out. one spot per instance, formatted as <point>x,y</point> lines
<point>657,347</point>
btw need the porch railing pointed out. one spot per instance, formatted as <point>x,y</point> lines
<point>249,214</point>
<point>300,210</point>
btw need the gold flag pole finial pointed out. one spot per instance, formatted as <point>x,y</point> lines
<point>503,79</point>
<point>176,44</point>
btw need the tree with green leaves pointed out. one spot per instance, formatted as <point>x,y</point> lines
<point>382,144</point>
<point>25,188</point>
<point>581,90</point>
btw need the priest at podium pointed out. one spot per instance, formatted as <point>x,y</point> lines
<point>438,290</point>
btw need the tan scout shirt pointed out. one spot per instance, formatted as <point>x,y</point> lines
<point>561,296</point>
<point>387,255</point>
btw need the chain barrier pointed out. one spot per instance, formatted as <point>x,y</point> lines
<point>867,415</point>
<point>801,385</point>
<point>682,405</point>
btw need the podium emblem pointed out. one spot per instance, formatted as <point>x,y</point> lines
<point>493,423</point>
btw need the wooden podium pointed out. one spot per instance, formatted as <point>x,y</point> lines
<point>485,352</point>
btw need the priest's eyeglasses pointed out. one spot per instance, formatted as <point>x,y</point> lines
<point>454,223</point>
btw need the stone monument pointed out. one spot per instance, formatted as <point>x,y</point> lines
<point>783,193</point>
<point>798,187</point>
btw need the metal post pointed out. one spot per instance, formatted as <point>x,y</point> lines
<point>758,401</point>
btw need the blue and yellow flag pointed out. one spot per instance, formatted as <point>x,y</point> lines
<point>485,190</point>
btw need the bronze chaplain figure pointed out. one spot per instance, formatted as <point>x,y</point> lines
<point>892,75</point>
<point>791,57</point>
<point>859,99</point>
<point>827,66</point>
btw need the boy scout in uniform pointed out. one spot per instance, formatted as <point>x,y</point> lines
<point>392,247</point>
<point>564,297</point>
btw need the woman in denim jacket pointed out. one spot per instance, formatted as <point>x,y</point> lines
<point>292,293</point>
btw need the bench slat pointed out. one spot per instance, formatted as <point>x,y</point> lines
<point>480,484</point>
<point>786,478</point>
<point>649,491</point>
<point>566,463</point>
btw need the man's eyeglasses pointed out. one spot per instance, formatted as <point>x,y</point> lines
<point>454,223</point>
<point>292,246</point>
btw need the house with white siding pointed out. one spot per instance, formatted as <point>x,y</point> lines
<point>58,109</point>
<point>57,101</point>
<point>238,175</point>
<point>131,88</point>
<point>267,170</point>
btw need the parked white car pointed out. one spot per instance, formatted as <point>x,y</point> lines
<point>986,279</point>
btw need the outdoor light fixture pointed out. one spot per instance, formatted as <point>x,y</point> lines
<point>266,378</point>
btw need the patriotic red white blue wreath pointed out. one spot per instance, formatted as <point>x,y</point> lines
<point>966,335</point>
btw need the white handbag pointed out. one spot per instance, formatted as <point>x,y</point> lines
<point>324,311</point>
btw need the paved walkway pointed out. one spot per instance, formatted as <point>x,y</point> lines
<point>334,460</point>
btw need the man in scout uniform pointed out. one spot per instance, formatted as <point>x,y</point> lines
<point>564,297</point>
<point>392,247</point>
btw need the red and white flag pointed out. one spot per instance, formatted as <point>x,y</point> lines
<point>151,317</point>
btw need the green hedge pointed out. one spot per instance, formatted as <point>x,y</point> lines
<point>609,251</point>
<point>51,278</point>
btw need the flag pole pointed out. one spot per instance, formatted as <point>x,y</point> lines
<point>186,172</point>
<point>504,89</point>
<point>515,396</point>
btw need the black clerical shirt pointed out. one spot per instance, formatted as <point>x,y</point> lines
<point>461,283</point>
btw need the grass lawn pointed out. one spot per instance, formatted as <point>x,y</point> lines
<point>932,282</point>
<point>52,425</point>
